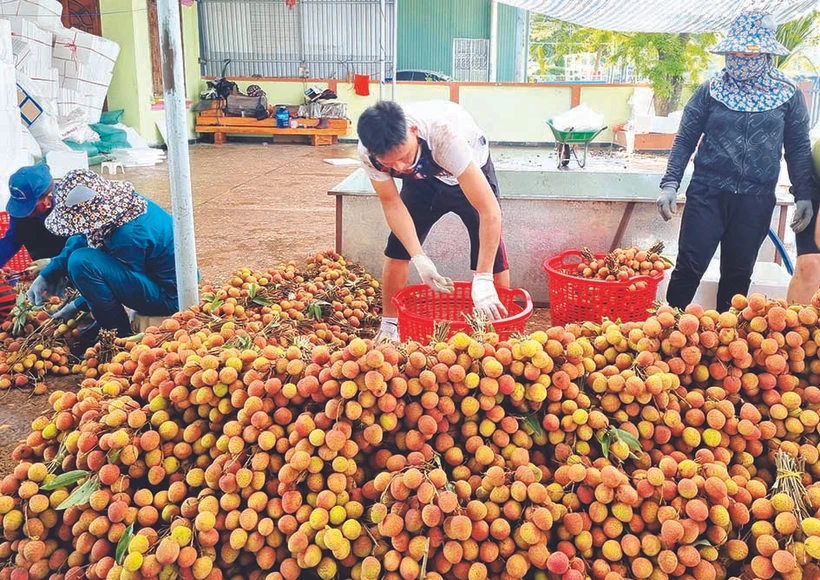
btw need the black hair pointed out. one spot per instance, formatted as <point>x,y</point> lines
<point>382,127</point>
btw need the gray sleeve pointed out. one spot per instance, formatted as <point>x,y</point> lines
<point>798,149</point>
<point>691,128</point>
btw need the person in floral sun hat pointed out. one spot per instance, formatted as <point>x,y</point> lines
<point>740,121</point>
<point>120,252</point>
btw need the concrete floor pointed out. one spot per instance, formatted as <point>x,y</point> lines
<point>254,204</point>
<point>258,204</point>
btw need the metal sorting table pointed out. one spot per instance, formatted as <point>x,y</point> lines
<point>545,213</point>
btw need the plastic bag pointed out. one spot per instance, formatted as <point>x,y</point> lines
<point>46,129</point>
<point>580,118</point>
<point>111,117</point>
<point>110,138</point>
<point>75,127</point>
<point>30,145</point>
<point>47,133</point>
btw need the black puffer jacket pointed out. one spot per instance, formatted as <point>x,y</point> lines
<point>741,152</point>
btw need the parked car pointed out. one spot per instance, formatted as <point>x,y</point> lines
<point>422,75</point>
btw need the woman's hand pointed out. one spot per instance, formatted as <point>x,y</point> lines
<point>803,212</point>
<point>668,201</point>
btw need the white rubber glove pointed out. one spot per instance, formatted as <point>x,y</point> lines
<point>485,297</point>
<point>37,291</point>
<point>430,276</point>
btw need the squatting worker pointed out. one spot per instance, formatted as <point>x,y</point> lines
<point>120,252</point>
<point>443,160</point>
<point>30,202</point>
<point>745,115</point>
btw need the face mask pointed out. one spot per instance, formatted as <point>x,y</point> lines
<point>746,68</point>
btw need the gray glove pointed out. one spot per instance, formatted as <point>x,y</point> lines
<point>668,201</point>
<point>37,266</point>
<point>67,312</point>
<point>803,212</point>
<point>37,292</point>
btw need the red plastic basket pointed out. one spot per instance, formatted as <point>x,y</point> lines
<point>21,260</point>
<point>420,308</point>
<point>574,299</point>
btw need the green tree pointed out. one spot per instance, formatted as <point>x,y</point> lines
<point>795,36</point>
<point>668,61</point>
<point>552,40</point>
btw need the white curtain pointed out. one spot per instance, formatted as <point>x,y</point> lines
<point>662,15</point>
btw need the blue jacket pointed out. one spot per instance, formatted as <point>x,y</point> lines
<point>145,245</point>
<point>741,152</point>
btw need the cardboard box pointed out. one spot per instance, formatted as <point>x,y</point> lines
<point>70,100</point>
<point>30,108</point>
<point>78,46</point>
<point>6,50</point>
<point>8,87</point>
<point>45,83</point>
<point>61,162</point>
<point>33,44</point>
<point>9,7</point>
<point>11,129</point>
<point>47,14</point>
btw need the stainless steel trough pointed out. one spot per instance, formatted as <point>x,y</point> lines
<point>545,213</point>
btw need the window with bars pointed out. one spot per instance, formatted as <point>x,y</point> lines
<point>331,39</point>
<point>471,59</point>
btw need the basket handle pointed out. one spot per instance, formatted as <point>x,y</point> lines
<point>528,306</point>
<point>397,303</point>
<point>645,278</point>
<point>570,254</point>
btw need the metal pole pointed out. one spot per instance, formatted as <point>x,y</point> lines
<point>395,45</point>
<point>178,160</point>
<point>382,48</point>
<point>526,72</point>
<point>520,44</point>
<point>493,41</point>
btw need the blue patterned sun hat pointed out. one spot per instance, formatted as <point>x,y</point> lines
<point>752,32</point>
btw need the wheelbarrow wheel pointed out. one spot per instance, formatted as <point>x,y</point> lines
<point>564,151</point>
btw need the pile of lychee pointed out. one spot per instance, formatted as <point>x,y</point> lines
<point>685,446</point>
<point>34,345</point>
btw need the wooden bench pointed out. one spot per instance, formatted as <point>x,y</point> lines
<point>214,121</point>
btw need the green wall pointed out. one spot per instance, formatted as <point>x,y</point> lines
<point>126,22</point>
<point>427,29</point>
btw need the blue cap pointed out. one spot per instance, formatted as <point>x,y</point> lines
<point>26,187</point>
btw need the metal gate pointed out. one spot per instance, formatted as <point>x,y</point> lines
<point>330,39</point>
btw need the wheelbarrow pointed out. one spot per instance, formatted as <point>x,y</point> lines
<point>567,142</point>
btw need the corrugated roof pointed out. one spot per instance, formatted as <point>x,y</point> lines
<point>661,15</point>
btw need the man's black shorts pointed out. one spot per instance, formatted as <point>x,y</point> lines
<point>428,200</point>
<point>805,239</point>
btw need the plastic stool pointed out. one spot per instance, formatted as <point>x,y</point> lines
<point>139,322</point>
<point>112,167</point>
